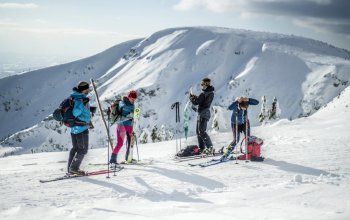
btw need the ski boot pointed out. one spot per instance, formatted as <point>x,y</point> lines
<point>113,159</point>
<point>227,152</point>
<point>77,172</point>
<point>209,151</point>
<point>221,151</point>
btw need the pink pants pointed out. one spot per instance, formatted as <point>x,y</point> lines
<point>121,131</point>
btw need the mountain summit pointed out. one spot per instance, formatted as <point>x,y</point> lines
<point>303,74</point>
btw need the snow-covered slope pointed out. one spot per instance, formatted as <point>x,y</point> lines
<point>302,73</point>
<point>306,175</point>
<point>29,98</point>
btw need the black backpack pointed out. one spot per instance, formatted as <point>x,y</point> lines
<point>190,150</point>
<point>64,114</point>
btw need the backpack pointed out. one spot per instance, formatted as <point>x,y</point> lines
<point>190,150</point>
<point>254,147</point>
<point>113,111</point>
<point>64,114</point>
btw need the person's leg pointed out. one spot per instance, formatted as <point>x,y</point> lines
<point>73,151</point>
<point>129,130</point>
<point>82,140</point>
<point>201,143</point>
<point>203,133</point>
<point>120,140</point>
<point>233,143</point>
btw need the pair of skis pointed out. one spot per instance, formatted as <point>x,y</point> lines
<point>93,173</point>
<point>194,157</point>
<point>133,162</point>
<point>215,161</point>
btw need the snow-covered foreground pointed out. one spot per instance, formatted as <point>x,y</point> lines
<point>306,175</point>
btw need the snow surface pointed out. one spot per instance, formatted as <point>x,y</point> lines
<point>306,175</point>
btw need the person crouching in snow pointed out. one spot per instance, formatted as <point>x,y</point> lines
<point>239,110</point>
<point>125,125</point>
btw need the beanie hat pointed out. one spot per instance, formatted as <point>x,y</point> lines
<point>132,94</point>
<point>82,86</point>
<point>205,82</point>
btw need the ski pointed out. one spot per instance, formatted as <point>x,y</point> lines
<point>137,114</point>
<point>194,157</point>
<point>112,166</point>
<point>134,162</point>
<point>93,173</point>
<point>213,161</point>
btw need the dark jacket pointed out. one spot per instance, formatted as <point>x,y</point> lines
<point>241,113</point>
<point>204,101</point>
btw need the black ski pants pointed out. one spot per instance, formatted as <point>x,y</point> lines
<point>202,135</point>
<point>80,148</point>
<point>241,128</point>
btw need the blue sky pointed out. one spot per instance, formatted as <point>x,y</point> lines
<point>85,27</point>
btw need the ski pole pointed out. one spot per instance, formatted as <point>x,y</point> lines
<point>236,135</point>
<point>137,150</point>
<point>108,144</point>
<point>176,106</point>
<point>178,115</point>
<point>246,136</point>
<point>100,109</point>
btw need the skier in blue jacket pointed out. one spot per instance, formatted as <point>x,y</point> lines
<point>80,130</point>
<point>239,107</point>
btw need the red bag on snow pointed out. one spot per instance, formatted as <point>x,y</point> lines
<point>254,147</point>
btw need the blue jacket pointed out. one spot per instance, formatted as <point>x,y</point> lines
<point>127,109</point>
<point>81,111</point>
<point>241,113</point>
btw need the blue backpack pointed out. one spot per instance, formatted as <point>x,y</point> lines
<point>64,114</point>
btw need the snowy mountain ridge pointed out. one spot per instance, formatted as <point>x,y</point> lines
<point>303,74</point>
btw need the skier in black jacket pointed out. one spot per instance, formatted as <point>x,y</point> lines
<point>203,101</point>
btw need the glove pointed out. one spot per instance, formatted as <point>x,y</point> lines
<point>192,97</point>
<point>93,110</point>
<point>91,126</point>
<point>85,100</point>
<point>130,115</point>
<point>243,99</point>
<point>194,108</point>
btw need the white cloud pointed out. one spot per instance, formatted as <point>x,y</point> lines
<point>6,26</point>
<point>211,5</point>
<point>18,6</point>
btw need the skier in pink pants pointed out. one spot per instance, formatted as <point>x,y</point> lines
<point>125,126</point>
